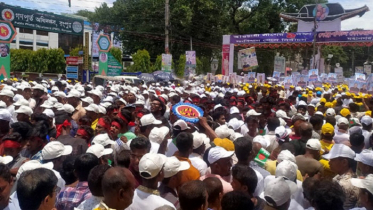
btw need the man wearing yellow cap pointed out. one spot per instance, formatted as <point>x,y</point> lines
<point>327,134</point>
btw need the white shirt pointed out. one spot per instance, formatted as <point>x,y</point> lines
<point>32,103</point>
<point>340,137</point>
<point>198,163</point>
<point>366,135</point>
<point>146,201</point>
<point>12,113</point>
<point>90,203</point>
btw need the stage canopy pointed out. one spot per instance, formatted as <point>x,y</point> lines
<point>298,39</point>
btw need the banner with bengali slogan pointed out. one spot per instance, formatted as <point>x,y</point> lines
<point>44,21</point>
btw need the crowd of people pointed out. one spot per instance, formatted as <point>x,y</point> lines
<point>67,146</point>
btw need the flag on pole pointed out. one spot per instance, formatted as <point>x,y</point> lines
<point>69,3</point>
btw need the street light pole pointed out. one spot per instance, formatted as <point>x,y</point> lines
<point>314,39</point>
<point>167,20</point>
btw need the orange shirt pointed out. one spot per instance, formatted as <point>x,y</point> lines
<point>190,174</point>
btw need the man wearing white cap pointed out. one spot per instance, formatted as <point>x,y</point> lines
<point>39,97</point>
<point>24,114</point>
<point>92,112</point>
<point>220,163</point>
<point>365,162</point>
<point>366,122</point>
<point>54,152</point>
<point>147,123</point>
<point>199,147</point>
<point>7,97</point>
<point>341,161</point>
<point>341,135</point>
<point>73,98</point>
<point>146,196</point>
<point>308,164</point>
<point>278,192</point>
<point>366,191</point>
<point>27,94</point>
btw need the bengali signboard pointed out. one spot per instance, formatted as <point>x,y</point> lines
<point>37,20</point>
<point>298,37</point>
<point>72,72</point>
<point>166,62</point>
<point>247,59</point>
<point>345,36</point>
<point>114,68</point>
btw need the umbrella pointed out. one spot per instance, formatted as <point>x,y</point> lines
<point>146,77</point>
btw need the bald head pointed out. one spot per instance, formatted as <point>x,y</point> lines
<point>118,185</point>
<point>305,130</point>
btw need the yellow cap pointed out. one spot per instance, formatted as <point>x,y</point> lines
<point>369,113</point>
<point>225,143</point>
<point>327,128</point>
<point>328,105</point>
<point>310,92</point>
<point>323,100</point>
<point>291,86</point>
<point>348,94</point>
<point>345,112</point>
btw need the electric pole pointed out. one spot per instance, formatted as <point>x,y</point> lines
<point>167,20</point>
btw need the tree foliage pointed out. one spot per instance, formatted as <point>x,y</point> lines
<point>42,60</point>
<point>117,53</point>
<point>141,60</point>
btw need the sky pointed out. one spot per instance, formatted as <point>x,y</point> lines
<point>61,6</point>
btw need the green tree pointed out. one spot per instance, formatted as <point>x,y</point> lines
<point>141,62</point>
<point>117,53</point>
<point>75,51</point>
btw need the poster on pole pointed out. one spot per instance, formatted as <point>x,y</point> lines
<point>166,62</point>
<point>191,64</point>
<point>225,60</point>
<point>4,61</point>
<point>360,77</point>
<point>95,35</point>
<point>279,65</point>
<point>359,69</point>
<point>313,75</point>
<point>251,76</point>
<point>354,86</point>
<point>260,78</point>
<point>332,77</point>
<point>302,80</point>
<point>288,81</point>
<point>247,60</point>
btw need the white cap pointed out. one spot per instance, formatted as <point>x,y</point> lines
<point>92,108</point>
<point>109,99</point>
<point>31,165</point>
<point>340,150</point>
<point>302,103</point>
<point>8,93</point>
<point>88,100</point>
<point>279,190</point>
<point>55,149</point>
<point>67,108</point>
<point>157,135</point>
<point>173,166</point>
<point>5,115</point>
<point>314,144</point>
<point>319,113</point>
<point>234,110</point>
<point>151,164</point>
<point>103,139</point>
<point>280,113</point>
<point>366,157</point>
<point>330,112</point>
<point>342,120</point>
<point>74,93</point>
<point>24,110</point>
<point>252,112</point>
<point>55,88</point>
<point>98,150</point>
<point>96,92</point>
<point>149,119</point>
<point>287,169</point>
<point>6,159</point>
<point>312,105</point>
<point>58,106</point>
<point>105,104</point>
<point>217,153</point>
<point>164,96</point>
<point>366,183</point>
<point>199,139</point>
<point>235,123</point>
<point>38,87</point>
<point>49,113</point>
<point>366,120</point>
<point>223,131</point>
<point>217,106</point>
<point>286,155</point>
<point>281,133</point>
<point>101,109</point>
<point>47,104</point>
<point>59,94</point>
<point>261,140</point>
<point>183,125</point>
<point>22,102</point>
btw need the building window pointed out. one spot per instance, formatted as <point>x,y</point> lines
<point>25,30</point>
<point>26,47</point>
<point>43,33</point>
